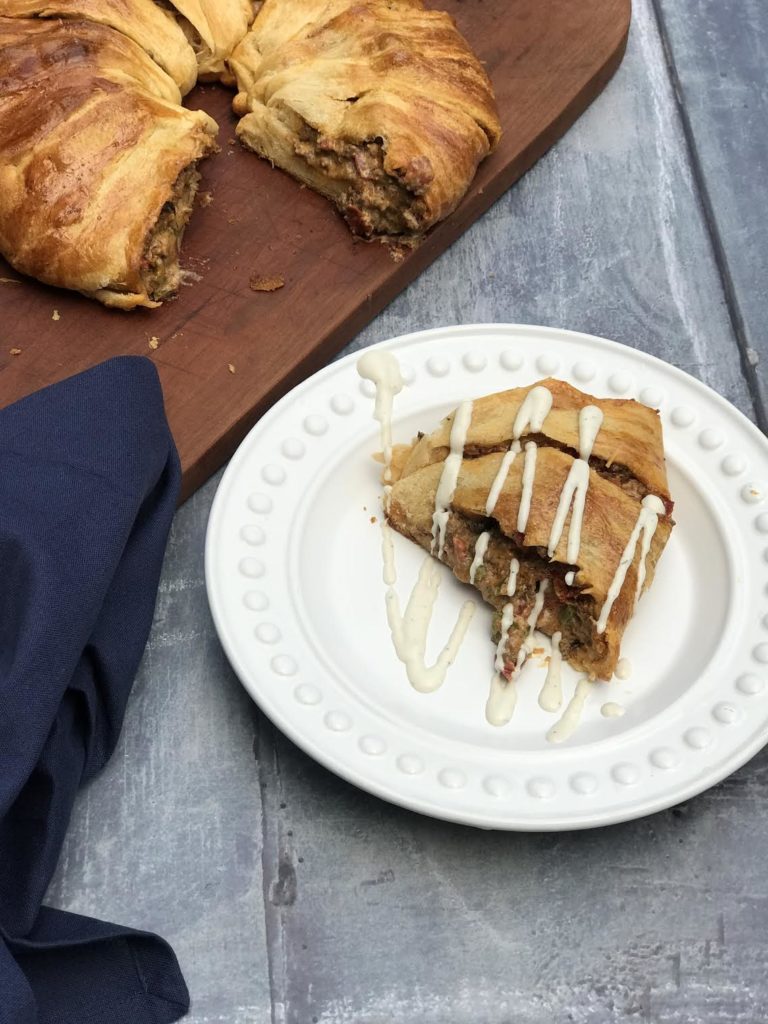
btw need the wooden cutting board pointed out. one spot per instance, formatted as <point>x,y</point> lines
<point>547,59</point>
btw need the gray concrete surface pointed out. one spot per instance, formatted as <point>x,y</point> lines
<point>292,897</point>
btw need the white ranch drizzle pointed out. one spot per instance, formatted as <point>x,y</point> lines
<point>507,617</point>
<point>502,699</point>
<point>623,668</point>
<point>574,492</point>
<point>514,568</point>
<point>647,521</point>
<point>388,554</point>
<point>409,631</point>
<point>656,507</point>
<point>529,472</point>
<point>566,726</point>
<point>533,410</point>
<point>538,604</point>
<point>576,485</point>
<point>503,695</point>
<point>590,421</point>
<point>501,475</point>
<point>533,618</point>
<point>612,710</point>
<point>551,696</point>
<point>481,546</point>
<point>450,475</point>
<point>383,369</point>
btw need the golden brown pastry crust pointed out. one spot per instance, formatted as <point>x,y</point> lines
<point>610,513</point>
<point>154,29</point>
<point>323,83</point>
<point>610,516</point>
<point>630,434</point>
<point>85,115</point>
<point>95,148</point>
<point>215,28</point>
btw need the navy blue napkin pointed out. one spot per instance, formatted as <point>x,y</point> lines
<point>89,478</point>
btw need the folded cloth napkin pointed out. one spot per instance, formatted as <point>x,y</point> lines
<point>89,478</point>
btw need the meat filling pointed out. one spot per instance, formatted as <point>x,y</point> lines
<point>160,269</point>
<point>564,610</point>
<point>372,201</point>
<point>614,472</point>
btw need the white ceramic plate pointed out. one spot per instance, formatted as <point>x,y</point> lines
<point>294,575</point>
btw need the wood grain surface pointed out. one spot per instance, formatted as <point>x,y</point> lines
<point>225,352</point>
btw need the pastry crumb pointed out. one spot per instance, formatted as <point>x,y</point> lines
<point>231,141</point>
<point>266,284</point>
<point>400,248</point>
<point>154,342</point>
<point>14,351</point>
<point>231,367</point>
<point>56,315</point>
<point>204,198</point>
<point>9,280</point>
<point>373,519</point>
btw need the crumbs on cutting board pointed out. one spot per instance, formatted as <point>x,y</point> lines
<point>231,367</point>
<point>266,284</point>
<point>373,519</point>
<point>154,342</point>
<point>55,315</point>
<point>14,351</point>
<point>204,198</point>
<point>400,248</point>
<point>9,280</point>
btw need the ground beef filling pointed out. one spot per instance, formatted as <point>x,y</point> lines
<point>160,269</point>
<point>565,609</point>
<point>621,475</point>
<point>371,200</point>
<point>616,473</point>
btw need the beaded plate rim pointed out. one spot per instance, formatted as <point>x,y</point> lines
<point>271,657</point>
